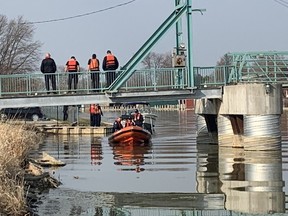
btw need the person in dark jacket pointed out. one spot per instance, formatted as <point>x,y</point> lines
<point>110,64</point>
<point>117,125</point>
<point>48,68</point>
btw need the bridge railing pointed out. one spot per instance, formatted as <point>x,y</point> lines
<point>33,83</point>
<point>156,79</point>
<point>211,76</point>
<point>149,80</point>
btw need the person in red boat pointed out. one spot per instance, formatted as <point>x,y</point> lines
<point>117,125</point>
<point>129,122</point>
<point>138,118</point>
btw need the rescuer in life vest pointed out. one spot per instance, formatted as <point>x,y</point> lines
<point>110,64</point>
<point>93,67</point>
<point>117,125</point>
<point>72,66</point>
<point>95,115</point>
<point>129,122</point>
<point>138,118</point>
<point>92,115</point>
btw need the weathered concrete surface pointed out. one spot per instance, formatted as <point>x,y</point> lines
<point>251,99</point>
<point>244,99</point>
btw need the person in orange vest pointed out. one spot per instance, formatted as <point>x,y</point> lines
<point>110,64</point>
<point>129,122</point>
<point>93,67</point>
<point>98,114</point>
<point>92,115</point>
<point>73,66</point>
<point>138,118</point>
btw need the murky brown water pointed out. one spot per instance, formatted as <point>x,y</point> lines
<point>173,176</point>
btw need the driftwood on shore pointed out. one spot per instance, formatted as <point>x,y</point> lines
<point>48,161</point>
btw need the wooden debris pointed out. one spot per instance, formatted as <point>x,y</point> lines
<point>34,169</point>
<point>48,161</point>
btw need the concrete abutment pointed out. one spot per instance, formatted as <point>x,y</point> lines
<point>247,116</point>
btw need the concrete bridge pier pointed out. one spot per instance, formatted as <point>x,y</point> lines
<point>247,116</point>
<point>206,129</point>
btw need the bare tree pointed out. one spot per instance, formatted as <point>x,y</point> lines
<point>157,60</point>
<point>18,52</point>
<point>225,60</point>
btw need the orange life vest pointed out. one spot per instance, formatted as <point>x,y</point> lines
<point>92,108</point>
<point>110,60</point>
<point>94,65</point>
<point>129,123</point>
<point>72,65</point>
<point>137,116</point>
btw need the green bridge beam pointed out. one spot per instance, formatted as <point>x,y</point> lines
<point>129,68</point>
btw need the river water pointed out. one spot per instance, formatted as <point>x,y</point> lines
<point>172,176</point>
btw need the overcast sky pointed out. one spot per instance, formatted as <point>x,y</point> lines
<point>226,26</point>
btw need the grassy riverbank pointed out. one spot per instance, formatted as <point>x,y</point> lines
<point>16,141</point>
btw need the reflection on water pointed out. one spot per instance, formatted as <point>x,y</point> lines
<point>252,180</point>
<point>96,150</point>
<point>129,155</point>
<point>173,176</point>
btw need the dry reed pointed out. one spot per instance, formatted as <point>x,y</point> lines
<point>16,141</point>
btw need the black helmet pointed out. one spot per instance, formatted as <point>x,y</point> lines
<point>136,111</point>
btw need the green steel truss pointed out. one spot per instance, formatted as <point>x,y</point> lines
<point>181,7</point>
<point>258,66</point>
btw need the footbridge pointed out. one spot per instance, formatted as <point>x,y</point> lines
<point>161,84</point>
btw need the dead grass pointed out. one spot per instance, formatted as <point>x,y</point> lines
<point>16,141</point>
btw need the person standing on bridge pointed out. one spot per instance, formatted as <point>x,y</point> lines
<point>110,64</point>
<point>72,66</point>
<point>48,68</point>
<point>93,67</point>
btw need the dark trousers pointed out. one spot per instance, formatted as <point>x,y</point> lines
<point>110,77</point>
<point>92,120</point>
<point>48,78</point>
<point>72,78</point>
<point>95,120</point>
<point>65,116</point>
<point>95,78</point>
<point>65,113</point>
<point>98,119</point>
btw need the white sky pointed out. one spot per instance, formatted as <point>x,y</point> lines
<point>226,26</point>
